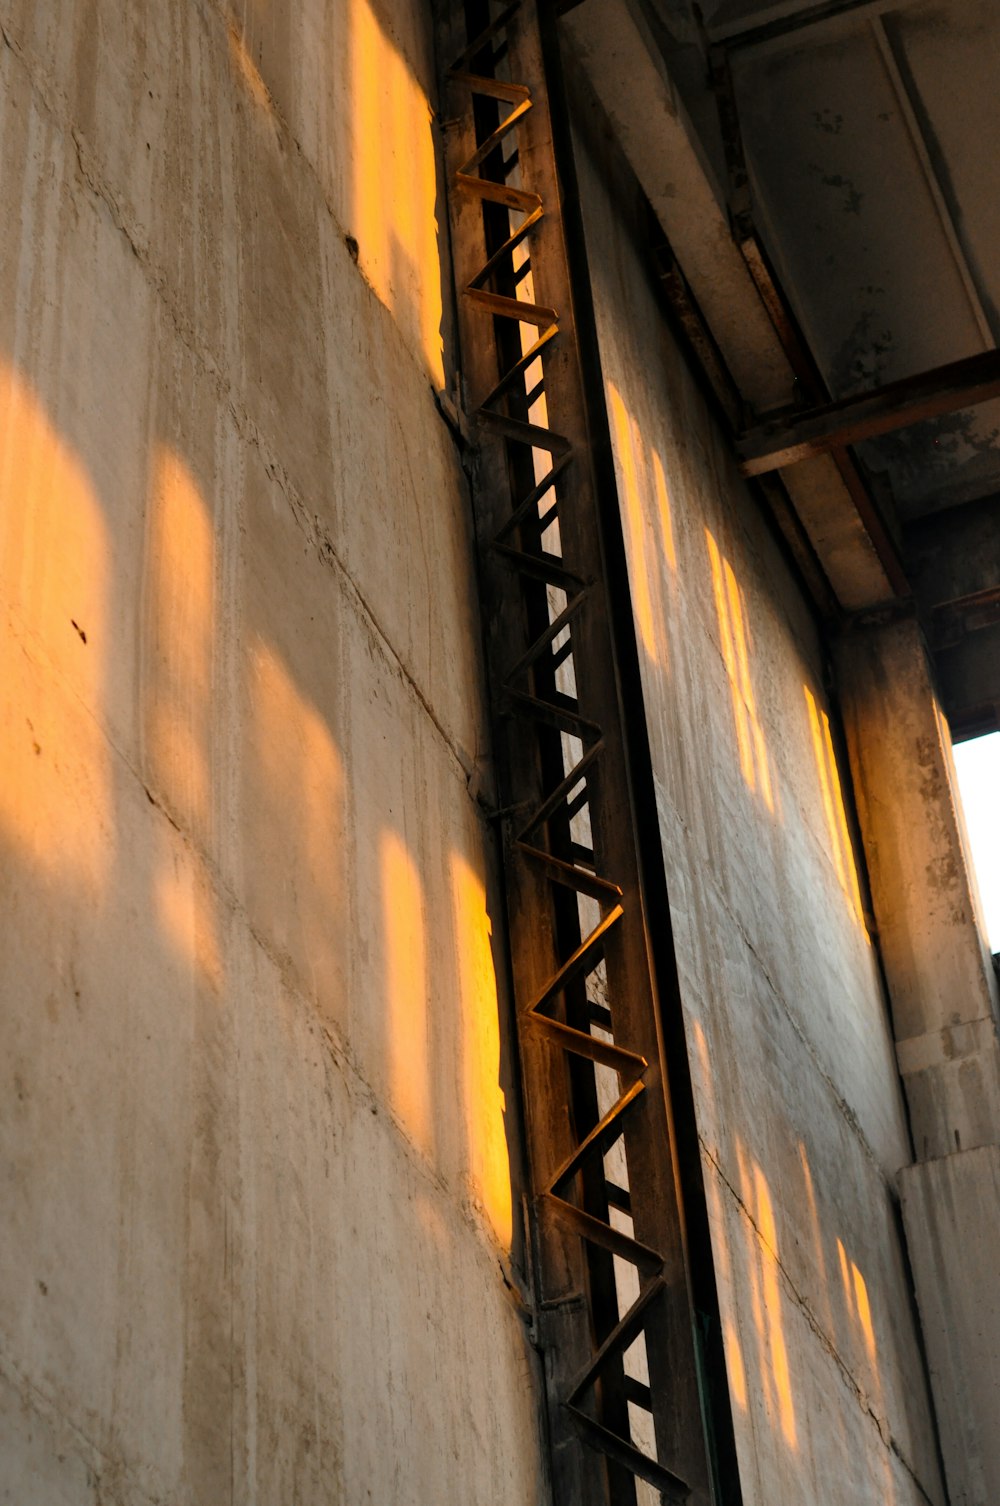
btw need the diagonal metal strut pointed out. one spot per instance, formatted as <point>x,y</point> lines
<point>622,1374</point>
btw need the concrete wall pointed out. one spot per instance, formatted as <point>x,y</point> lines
<point>800,1115</point>
<point>256,1151</point>
<point>944,1005</point>
<point>951,1206</point>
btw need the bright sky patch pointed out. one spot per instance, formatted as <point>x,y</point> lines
<point>978,765</point>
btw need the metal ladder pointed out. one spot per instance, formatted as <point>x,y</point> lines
<point>613,1300</point>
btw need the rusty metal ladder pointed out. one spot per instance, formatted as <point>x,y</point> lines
<point>613,1299</point>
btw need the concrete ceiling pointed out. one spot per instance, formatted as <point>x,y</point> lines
<point>853,191</point>
<point>869,137</point>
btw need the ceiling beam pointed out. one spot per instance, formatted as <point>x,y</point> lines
<point>813,431</point>
<point>782,21</point>
<point>908,103</point>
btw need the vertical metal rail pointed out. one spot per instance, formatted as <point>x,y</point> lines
<point>613,1295</point>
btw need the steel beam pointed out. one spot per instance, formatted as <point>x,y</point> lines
<point>784,21</point>
<point>829,426</point>
<point>613,1294</point>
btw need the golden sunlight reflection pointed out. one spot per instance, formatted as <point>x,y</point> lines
<point>54,572</point>
<point>489,1164</point>
<point>730,610</point>
<point>177,667</point>
<point>735,1367</point>
<point>817,1233</point>
<point>856,1298</point>
<point>634,522</point>
<point>408,1051</point>
<point>734,1364</point>
<point>184,896</point>
<point>863,1309</point>
<point>178,637</point>
<point>859,1311</point>
<point>766,1299</point>
<point>647,522</point>
<point>395,185</point>
<point>663,511</point>
<point>296,808</point>
<point>833,805</point>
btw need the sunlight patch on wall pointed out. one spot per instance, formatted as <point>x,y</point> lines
<point>484,1101</point>
<point>55,559</point>
<point>177,675</point>
<point>840,846</point>
<point>766,1298</point>
<point>295,821</point>
<point>178,642</point>
<point>735,1367</point>
<point>859,1313</point>
<point>817,1234</point>
<point>663,511</point>
<point>405,952</point>
<point>395,185</point>
<point>625,453</point>
<point>186,906</point>
<point>649,531</point>
<point>734,636</point>
<point>856,1298</point>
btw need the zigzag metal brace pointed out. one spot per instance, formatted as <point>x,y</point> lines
<point>582,1010</point>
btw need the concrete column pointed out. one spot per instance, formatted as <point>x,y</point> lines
<point>944,1002</point>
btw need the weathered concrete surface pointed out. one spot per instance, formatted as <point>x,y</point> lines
<point>257,1158</point>
<point>943,991</point>
<point>799,1107</point>
<point>951,1208</point>
<point>937,962</point>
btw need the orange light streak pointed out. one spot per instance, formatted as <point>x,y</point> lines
<point>765,1295</point>
<point>484,1101</point>
<point>56,801</point>
<point>626,436</point>
<point>394,167</point>
<point>295,822</point>
<point>732,1346</point>
<point>734,640</point>
<point>405,955</point>
<point>177,658</point>
<point>664,512</point>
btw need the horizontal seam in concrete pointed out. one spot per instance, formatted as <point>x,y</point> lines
<point>245,425</point>
<point>889,1441</point>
